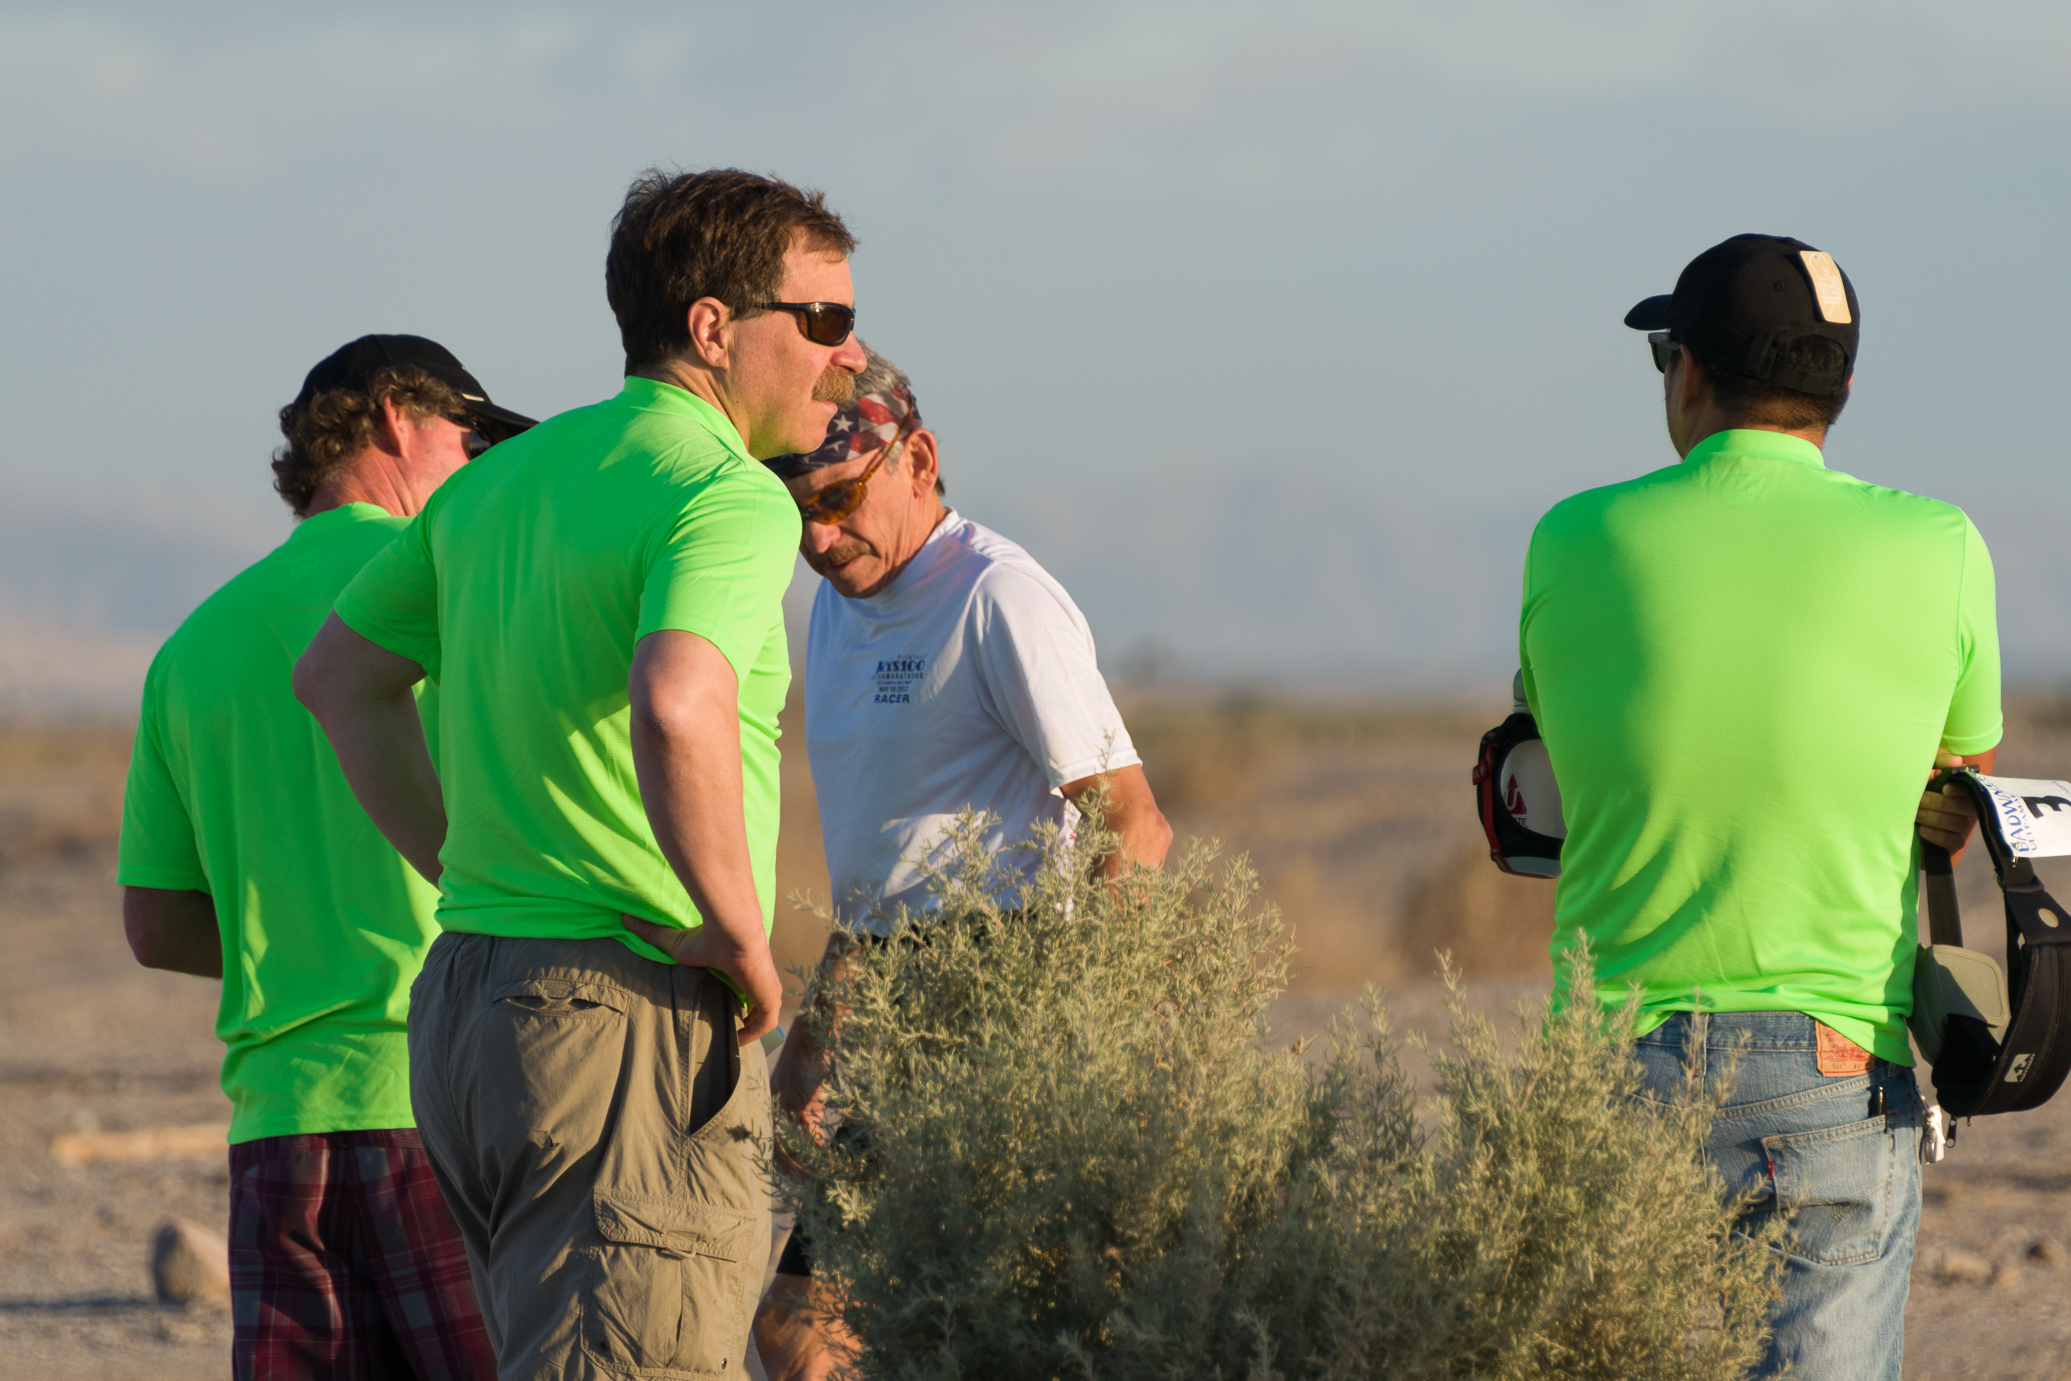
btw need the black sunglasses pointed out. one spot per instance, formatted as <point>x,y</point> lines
<point>1665,348</point>
<point>476,440</point>
<point>824,323</point>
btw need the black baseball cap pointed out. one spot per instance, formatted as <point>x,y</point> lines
<point>1741,304</point>
<point>354,366</point>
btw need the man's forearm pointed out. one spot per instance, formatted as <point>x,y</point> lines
<point>686,733</point>
<point>1131,813</point>
<point>362,695</point>
<point>174,931</point>
<point>689,766</point>
<point>1145,839</point>
<point>380,744</point>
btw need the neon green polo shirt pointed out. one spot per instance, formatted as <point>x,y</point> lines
<point>1742,666</point>
<point>234,791</point>
<point>523,587</point>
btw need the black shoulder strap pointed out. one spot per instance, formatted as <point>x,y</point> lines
<point>1977,1075</point>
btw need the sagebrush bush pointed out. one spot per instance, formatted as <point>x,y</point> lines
<point>1083,1156</point>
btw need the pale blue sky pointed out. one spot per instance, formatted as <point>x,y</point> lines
<point>1269,328</point>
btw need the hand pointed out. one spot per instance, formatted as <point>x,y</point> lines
<point>750,966</point>
<point>799,1084</point>
<point>787,1166</point>
<point>1946,817</point>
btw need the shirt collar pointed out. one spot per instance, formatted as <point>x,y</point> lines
<point>652,395</point>
<point>1758,445</point>
<point>338,517</point>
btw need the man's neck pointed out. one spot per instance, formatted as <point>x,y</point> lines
<point>1712,426</point>
<point>697,381</point>
<point>370,477</point>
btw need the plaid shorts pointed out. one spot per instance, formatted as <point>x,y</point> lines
<point>346,1264</point>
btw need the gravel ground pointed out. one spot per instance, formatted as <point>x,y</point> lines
<point>93,1043</point>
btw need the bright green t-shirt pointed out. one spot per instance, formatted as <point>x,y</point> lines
<point>522,588</point>
<point>234,791</point>
<point>1742,666</point>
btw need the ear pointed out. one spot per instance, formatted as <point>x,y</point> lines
<point>921,457</point>
<point>711,331</point>
<point>392,427</point>
<point>1691,381</point>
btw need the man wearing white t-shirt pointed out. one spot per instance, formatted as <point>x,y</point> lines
<point>944,670</point>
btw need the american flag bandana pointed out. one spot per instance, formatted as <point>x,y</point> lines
<point>858,427</point>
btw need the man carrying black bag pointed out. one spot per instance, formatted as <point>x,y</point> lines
<point>1743,667</point>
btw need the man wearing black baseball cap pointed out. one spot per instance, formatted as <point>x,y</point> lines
<point>241,840</point>
<point>1744,666</point>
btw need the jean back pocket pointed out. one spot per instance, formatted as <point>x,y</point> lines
<point>1836,1185</point>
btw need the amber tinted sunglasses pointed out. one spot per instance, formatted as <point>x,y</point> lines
<point>843,497</point>
<point>824,323</point>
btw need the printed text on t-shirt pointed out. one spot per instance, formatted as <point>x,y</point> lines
<point>896,678</point>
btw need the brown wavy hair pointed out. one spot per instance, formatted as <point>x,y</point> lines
<point>721,233</point>
<point>330,429</point>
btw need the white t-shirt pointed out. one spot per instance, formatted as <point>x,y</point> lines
<point>969,681</point>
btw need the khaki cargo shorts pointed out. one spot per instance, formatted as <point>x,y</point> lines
<point>603,1141</point>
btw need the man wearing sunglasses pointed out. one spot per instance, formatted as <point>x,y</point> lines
<point>601,604</point>
<point>1744,667</point>
<point>241,840</point>
<point>945,670</point>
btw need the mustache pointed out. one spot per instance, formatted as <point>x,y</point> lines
<point>837,385</point>
<point>839,553</point>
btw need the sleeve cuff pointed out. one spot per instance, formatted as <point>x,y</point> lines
<point>741,664</point>
<point>364,625</point>
<point>1093,767</point>
<point>1974,743</point>
<point>162,879</point>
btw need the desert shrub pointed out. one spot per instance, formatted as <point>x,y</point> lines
<point>1082,1155</point>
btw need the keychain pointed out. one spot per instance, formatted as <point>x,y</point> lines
<point>1940,1132</point>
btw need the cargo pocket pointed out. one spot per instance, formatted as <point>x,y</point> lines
<point>672,1288</point>
<point>1836,1186</point>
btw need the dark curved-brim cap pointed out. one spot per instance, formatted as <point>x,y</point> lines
<point>354,365</point>
<point>1744,302</point>
<point>1649,315</point>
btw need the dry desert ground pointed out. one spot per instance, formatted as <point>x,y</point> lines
<point>1358,816</point>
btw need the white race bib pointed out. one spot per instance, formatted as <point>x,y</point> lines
<point>2034,816</point>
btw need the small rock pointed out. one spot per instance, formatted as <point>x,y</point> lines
<point>1967,1267</point>
<point>189,1262</point>
<point>2047,1251</point>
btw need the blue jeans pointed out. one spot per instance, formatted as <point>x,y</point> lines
<point>1804,1141</point>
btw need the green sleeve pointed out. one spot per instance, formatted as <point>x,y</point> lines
<point>158,847</point>
<point>723,566</point>
<point>1524,613</point>
<point>1974,722</point>
<point>394,600</point>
